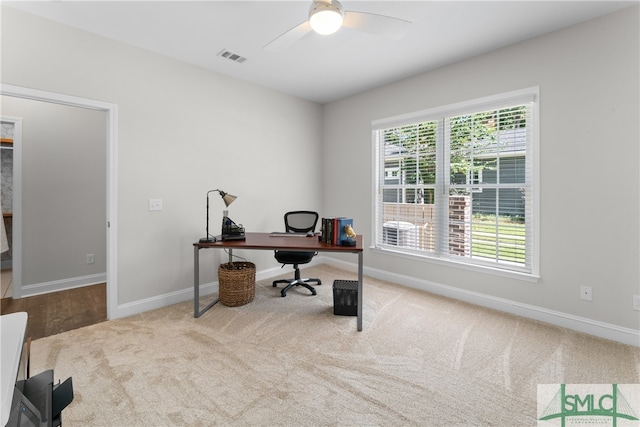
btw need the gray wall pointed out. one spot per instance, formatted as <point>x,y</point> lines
<point>589,151</point>
<point>63,192</point>
<point>179,126</point>
<point>182,131</point>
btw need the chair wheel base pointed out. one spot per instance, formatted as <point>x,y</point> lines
<point>297,281</point>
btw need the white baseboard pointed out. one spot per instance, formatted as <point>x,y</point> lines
<point>206,289</point>
<point>576,323</point>
<point>62,285</point>
<point>147,304</point>
<point>557,318</point>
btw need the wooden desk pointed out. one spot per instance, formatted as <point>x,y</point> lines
<point>267,241</point>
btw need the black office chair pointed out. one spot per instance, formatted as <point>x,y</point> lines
<point>298,222</point>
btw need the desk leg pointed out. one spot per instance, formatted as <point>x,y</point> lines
<point>360,291</point>
<point>196,286</point>
<point>196,281</point>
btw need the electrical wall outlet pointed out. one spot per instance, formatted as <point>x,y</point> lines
<point>636,302</point>
<point>91,258</point>
<point>585,293</point>
<point>155,204</point>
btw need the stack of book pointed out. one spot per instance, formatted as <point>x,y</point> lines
<point>332,230</point>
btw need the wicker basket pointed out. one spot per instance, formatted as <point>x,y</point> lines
<point>237,282</point>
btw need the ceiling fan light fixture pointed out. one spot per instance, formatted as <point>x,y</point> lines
<point>326,18</point>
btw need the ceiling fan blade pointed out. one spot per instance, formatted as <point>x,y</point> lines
<point>378,25</point>
<point>287,39</point>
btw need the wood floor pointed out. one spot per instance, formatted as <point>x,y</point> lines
<point>57,312</point>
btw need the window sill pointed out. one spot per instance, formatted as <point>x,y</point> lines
<point>449,263</point>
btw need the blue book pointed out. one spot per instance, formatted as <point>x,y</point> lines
<point>341,235</point>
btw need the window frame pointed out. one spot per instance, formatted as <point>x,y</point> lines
<point>504,100</point>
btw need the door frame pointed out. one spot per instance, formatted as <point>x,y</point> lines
<point>16,209</point>
<point>111,130</point>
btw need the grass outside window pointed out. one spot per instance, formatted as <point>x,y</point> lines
<point>500,238</point>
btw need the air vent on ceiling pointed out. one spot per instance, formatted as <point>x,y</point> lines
<point>232,56</point>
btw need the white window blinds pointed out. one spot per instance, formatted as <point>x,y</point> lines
<point>457,183</point>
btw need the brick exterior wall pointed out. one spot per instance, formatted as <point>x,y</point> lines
<point>459,224</point>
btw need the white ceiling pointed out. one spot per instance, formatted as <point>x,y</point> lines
<point>319,68</point>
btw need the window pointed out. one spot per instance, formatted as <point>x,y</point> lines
<point>457,183</point>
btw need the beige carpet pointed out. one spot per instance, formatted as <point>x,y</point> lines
<point>421,360</point>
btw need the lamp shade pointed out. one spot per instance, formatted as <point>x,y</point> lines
<point>227,198</point>
<point>325,17</point>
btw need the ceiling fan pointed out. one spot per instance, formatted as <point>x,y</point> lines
<point>328,16</point>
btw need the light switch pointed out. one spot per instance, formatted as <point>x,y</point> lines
<point>155,204</point>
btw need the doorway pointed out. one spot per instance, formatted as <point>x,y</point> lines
<point>11,154</point>
<point>110,226</point>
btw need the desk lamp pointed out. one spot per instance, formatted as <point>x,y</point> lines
<point>228,199</point>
